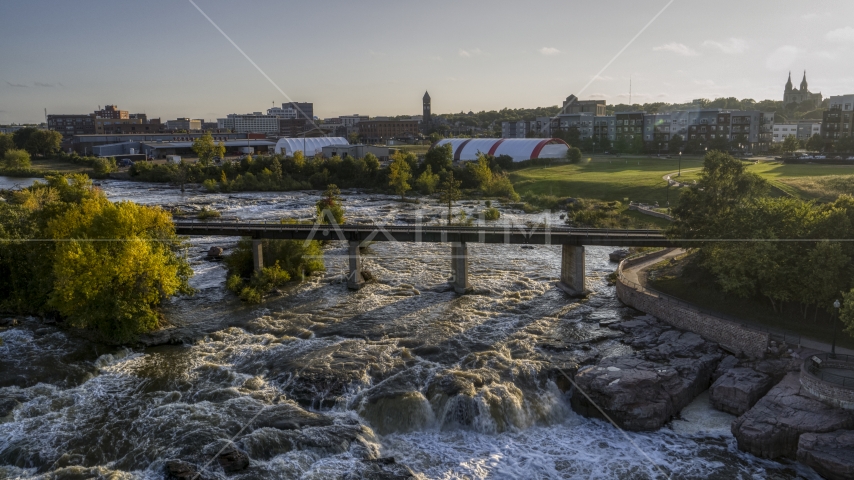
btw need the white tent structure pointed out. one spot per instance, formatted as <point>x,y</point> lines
<point>309,146</point>
<point>520,149</point>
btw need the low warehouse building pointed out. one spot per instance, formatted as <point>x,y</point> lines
<point>309,146</point>
<point>520,149</point>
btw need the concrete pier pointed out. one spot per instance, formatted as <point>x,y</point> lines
<point>460,268</point>
<point>355,281</point>
<point>572,271</point>
<point>257,255</point>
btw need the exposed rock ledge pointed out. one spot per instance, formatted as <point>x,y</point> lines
<point>829,454</point>
<point>771,428</point>
<point>645,390</point>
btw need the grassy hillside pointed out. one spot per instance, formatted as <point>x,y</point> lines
<point>640,179</point>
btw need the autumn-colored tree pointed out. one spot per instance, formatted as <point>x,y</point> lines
<point>107,270</point>
<point>330,204</point>
<point>399,174</point>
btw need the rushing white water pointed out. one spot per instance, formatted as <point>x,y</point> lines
<point>388,357</point>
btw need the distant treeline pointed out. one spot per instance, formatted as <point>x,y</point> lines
<point>280,173</point>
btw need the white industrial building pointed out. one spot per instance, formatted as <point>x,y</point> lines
<point>520,149</point>
<point>309,146</point>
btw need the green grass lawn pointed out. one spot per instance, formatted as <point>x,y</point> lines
<point>416,149</point>
<point>682,280</point>
<point>639,178</point>
<point>58,166</point>
<point>636,178</point>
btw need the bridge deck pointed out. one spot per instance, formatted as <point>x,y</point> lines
<point>507,234</point>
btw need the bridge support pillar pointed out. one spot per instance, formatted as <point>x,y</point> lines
<point>572,271</point>
<point>257,255</point>
<point>460,268</point>
<point>355,281</point>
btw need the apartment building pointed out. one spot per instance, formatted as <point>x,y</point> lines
<point>838,119</point>
<point>802,130</point>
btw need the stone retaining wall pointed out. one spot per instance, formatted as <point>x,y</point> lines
<point>650,212</point>
<point>732,336</point>
<point>827,392</point>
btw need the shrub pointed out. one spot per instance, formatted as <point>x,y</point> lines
<point>206,213</point>
<point>16,159</point>
<point>113,287</point>
<point>573,155</point>
<point>211,185</point>
<point>491,214</point>
<point>427,181</point>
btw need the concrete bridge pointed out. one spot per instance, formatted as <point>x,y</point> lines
<point>572,240</point>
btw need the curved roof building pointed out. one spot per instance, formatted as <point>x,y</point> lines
<point>520,149</point>
<point>309,146</point>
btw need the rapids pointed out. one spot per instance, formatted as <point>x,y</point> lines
<point>318,382</point>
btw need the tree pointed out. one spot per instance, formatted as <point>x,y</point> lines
<point>427,181</point>
<point>621,145</point>
<point>206,149</point>
<point>791,144</point>
<point>6,144</point>
<point>573,155</point>
<point>399,174</point>
<point>22,136</point>
<point>815,143</point>
<point>844,144</point>
<point>703,209</point>
<point>44,142</point>
<point>114,284</point>
<point>480,172</point>
<point>15,159</point>
<point>353,138</point>
<point>449,192</point>
<point>330,204</point>
<point>719,143</point>
<point>440,158</point>
<point>638,145</point>
<point>674,145</point>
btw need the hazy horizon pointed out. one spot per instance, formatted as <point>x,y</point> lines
<point>377,58</point>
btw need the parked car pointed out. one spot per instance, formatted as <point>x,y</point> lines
<point>124,162</point>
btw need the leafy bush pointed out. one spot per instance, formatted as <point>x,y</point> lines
<point>206,213</point>
<point>427,181</point>
<point>16,159</point>
<point>291,259</point>
<point>491,214</point>
<point>104,166</point>
<point>113,286</point>
<point>573,155</point>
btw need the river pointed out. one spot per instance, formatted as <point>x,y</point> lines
<point>386,361</point>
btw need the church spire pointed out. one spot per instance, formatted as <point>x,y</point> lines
<point>804,82</point>
<point>789,83</point>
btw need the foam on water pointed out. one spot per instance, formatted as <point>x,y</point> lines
<point>356,356</point>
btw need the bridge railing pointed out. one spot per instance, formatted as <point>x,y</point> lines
<point>503,228</point>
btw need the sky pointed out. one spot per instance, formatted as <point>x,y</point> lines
<point>164,58</point>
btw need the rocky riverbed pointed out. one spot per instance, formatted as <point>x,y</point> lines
<point>401,378</point>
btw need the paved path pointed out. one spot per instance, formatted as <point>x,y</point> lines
<point>637,274</point>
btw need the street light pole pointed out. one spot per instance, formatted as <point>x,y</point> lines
<point>836,306</point>
<point>680,164</point>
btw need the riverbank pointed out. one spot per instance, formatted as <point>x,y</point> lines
<point>777,415</point>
